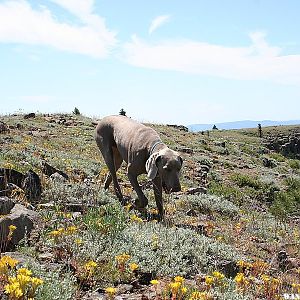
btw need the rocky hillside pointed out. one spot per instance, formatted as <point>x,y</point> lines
<point>231,233</point>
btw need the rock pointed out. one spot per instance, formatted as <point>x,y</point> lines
<point>229,268</point>
<point>186,150</point>
<point>57,177</point>
<point>30,183</point>
<point>49,170</point>
<point>197,190</point>
<point>269,163</point>
<point>94,296</point>
<point>180,127</point>
<point>124,288</point>
<point>9,176</point>
<point>30,115</point>
<point>3,127</point>
<point>23,219</point>
<point>191,213</point>
<point>32,186</point>
<point>20,257</point>
<point>6,205</point>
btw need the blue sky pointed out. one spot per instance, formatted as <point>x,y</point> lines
<point>165,61</point>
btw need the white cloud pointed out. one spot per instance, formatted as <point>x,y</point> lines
<point>158,22</point>
<point>20,23</point>
<point>258,61</point>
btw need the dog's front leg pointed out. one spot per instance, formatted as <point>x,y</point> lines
<point>157,187</point>
<point>142,201</point>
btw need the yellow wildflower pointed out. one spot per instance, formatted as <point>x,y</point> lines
<point>135,218</point>
<point>78,242</point>
<point>71,229</point>
<point>265,278</point>
<point>55,233</point>
<point>9,261</point>
<point>183,290</point>
<point>110,290</point>
<point>23,281</point>
<point>133,267</point>
<point>24,271</point>
<point>174,286</point>
<point>35,282</point>
<point>218,275</point>
<point>200,296</point>
<point>11,229</point>
<point>209,280</point>
<point>154,281</point>
<point>14,290</point>
<point>179,279</point>
<point>90,266</point>
<point>122,258</point>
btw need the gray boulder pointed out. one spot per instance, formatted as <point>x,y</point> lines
<point>24,219</point>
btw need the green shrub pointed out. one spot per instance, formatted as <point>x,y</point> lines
<point>294,164</point>
<point>229,192</point>
<point>287,202</point>
<point>277,156</point>
<point>212,203</point>
<point>243,180</point>
<point>55,286</point>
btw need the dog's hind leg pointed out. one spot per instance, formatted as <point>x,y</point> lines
<point>117,162</point>
<point>113,164</point>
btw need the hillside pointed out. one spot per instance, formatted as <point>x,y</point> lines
<point>231,233</point>
<point>241,124</point>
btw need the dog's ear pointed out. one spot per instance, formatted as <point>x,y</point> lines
<point>151,166</point>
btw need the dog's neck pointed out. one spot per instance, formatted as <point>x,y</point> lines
<point>155,146</point>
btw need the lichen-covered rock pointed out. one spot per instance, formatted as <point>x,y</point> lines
<point>20,217</point>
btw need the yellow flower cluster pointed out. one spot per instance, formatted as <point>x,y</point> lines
<point>252,275</point>
<point>22,285</point>
<point>63,231</point>
<point>90,267</point>
<point>216,278</point>
<point>122,259</point>
<point>135,218</point>
<point>11,229</point>
<point>110,291</point>
<point>177,288</point>
<point>6,263</point>
<point>200,296</point>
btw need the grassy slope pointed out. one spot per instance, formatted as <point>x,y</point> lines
<point>241,218</point>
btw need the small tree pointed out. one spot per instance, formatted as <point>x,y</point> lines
<point>215,127</point>
<point>122,112</point>
<point>76,111</point>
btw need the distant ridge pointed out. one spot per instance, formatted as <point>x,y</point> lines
<point>240,124</point>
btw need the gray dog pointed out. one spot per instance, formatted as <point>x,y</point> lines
<point>120,138</point>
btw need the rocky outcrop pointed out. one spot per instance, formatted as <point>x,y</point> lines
<point>20,217</point>
<point>179,127</point>
<point>287,145</point>
<point>49,170</point>
<point>3,127</point>
<point>29,116</point>
<point>30,183</point>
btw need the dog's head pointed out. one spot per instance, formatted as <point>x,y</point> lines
<point>167,164</point>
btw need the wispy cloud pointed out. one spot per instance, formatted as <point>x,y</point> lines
<point>158,22</point>
<point>20,23</point>
<point>258,61</point>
